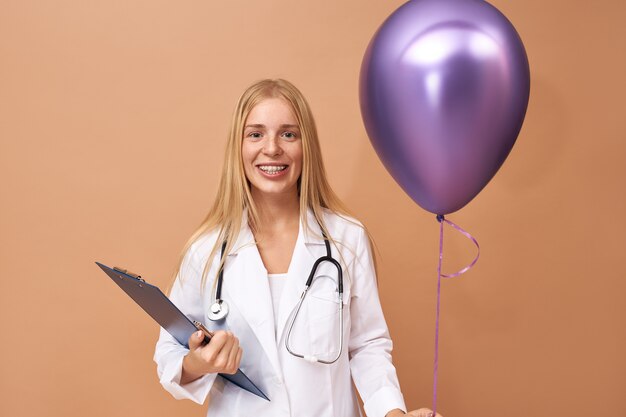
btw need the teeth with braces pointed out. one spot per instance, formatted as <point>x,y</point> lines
<point>272,169</point>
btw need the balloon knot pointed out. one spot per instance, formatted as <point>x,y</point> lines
<point>440,218</point>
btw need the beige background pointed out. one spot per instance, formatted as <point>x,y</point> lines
<point>113,116</point>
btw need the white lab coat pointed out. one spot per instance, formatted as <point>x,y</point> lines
<point>296,387</point>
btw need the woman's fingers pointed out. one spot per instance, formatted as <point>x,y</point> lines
<point>221,355</point>
<point>423,412</point>
<point>232,364</point>
<point>195,340</point>
<point>217,353</point>
<point>238,360</point>
<point>221,361</point>
<point>211,351</point>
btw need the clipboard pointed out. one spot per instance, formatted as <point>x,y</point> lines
<point>152,300</point>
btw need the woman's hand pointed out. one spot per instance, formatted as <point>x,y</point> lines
<point>423,412</point>
<point>221,355</point>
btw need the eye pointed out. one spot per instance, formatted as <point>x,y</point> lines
<point>290,135</point>
<point>254,135</point>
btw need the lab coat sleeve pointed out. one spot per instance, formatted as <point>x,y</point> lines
<point>370,344</point>
<point>168,355</point>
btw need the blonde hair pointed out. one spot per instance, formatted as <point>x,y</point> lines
<point>234,195</point>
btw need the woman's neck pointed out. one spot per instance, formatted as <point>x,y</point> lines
<point>276,212</point>
<point>276,233</point>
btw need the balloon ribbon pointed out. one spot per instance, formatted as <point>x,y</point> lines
<point>441,219</point>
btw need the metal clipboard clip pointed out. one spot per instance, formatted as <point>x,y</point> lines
<point>207,333</point>
<point>127,272</point>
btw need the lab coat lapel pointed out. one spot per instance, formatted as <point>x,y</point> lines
<point>246,286</point>
<point>309,247</point>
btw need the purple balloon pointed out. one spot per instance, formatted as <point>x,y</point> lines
<point>444,88</point>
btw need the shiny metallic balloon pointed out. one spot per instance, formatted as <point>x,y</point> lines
<point>444,89</point>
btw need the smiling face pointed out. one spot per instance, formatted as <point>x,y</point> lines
<point>272,149</point>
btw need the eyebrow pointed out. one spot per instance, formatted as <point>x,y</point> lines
<point>282,126</point>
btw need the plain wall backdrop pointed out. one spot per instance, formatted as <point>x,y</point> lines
<point>113,118</point>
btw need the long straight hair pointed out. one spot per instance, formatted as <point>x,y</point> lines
<point>234,195</point>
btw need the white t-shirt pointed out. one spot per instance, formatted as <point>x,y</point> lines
<point>277,283</point>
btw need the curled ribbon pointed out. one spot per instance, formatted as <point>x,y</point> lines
<point>441,219</point>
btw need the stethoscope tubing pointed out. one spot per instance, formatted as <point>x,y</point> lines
<point>292,321</point>
<point>219,308</point>
<point>309,282</point>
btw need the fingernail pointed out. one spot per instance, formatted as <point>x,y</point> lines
<point>199,333</point>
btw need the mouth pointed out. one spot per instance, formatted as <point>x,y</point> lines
<point>272,169</point>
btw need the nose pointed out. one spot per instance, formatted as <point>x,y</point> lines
<point>272,146</point>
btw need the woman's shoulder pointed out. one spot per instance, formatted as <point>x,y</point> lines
<point>200,248</point>
<point>340,224</point>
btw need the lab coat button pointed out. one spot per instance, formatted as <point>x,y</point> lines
<point>278,381</point>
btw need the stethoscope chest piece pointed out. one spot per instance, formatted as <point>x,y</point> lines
<point>218,310</point>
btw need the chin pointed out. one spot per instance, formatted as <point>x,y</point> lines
<point>273,190</point>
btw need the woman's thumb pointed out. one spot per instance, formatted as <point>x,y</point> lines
<point>196,339</point>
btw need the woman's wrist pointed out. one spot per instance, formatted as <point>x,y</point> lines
<point>395,412</point>
<point>186,376</point>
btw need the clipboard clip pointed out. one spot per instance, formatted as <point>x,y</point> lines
<point>127,272</point>
<point>207,333</point>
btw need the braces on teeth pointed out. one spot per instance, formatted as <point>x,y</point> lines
<point>272,169</point>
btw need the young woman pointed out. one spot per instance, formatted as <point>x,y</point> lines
<point>274,216</point>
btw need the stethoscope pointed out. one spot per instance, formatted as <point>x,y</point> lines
<point>219,308</point>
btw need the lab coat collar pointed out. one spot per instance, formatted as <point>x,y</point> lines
<point>310,232</point>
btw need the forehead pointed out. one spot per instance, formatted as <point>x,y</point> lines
<point>272,111</point>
